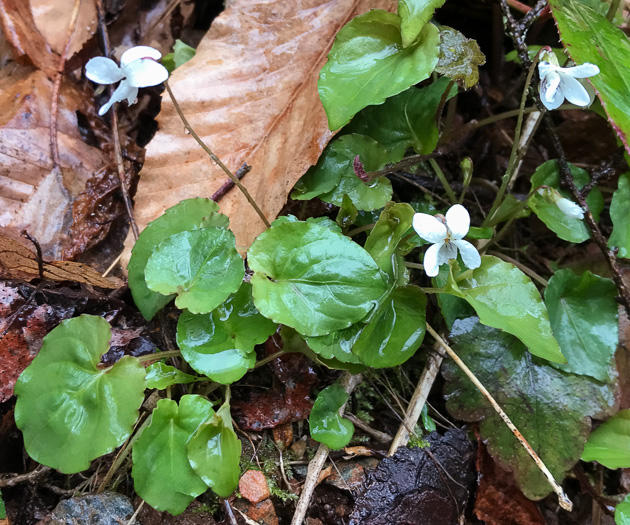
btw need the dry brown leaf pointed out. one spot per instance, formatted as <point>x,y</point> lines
<point>33,195</point>
<point>52,19</point>
<point>18,262</point>
<point>28,44</point>
<point>251,94</point>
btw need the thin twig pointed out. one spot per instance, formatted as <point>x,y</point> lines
<point>228,185</point>
<point>23,478</point>
<point>349,383</point>
<point>38,250</point>
<point>563,500</point>
<point>116,135</point>
<point>216,159</point>
<point>381,437</point>
<point>229,512</point>
<point>135,514</point>
<point>54,105</point>
<point>414,410</point>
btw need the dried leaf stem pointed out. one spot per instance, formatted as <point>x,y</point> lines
<point>419,398</point>
<point>116,135</point>
<point>563,500</point>
<point>216,159</point>
<point>349,383</point>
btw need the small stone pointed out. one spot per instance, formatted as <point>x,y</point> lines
<point>253,486</point>
<point>283,435</point>
<point>262,513</point>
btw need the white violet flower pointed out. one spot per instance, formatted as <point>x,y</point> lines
<point>138,68</point>
<point>558,83</point>
<point>446,234</point>
<point>569,208</point>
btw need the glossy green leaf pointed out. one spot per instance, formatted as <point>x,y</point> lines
<point>181,54</point>
<point>406,120</point>
<point>480,233</point>
<point>622,512</point>
<point>567,228</point>
<point>551,408</point>
<point>427,421</point>
<point>392,225</point>
<point>583,315</point>
<point>414,14</point>
<point>333,176</point>
<point>69,409</point>
<point>161,375</point>
<point>619,213</point>
<point>459,58</point>
<point>325,423</point>
<point>313,279</point>
<point>161,472</point>
<point>190,214</point>
<point>590,37</point>
<point>221,344</point>
<point>337,345</point>
<point>505,298</point>
<point>201,266</point>
<point>347,213</point>
<point>395,330</point>
<point>3,510</point>
<point>609,444</point>
<point>214,453</point>
<point>367,64</point>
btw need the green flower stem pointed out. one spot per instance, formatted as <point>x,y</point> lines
<point>442,178</point>
<point>269,358</point>
<point>432,290</point>
<point>612,10</point>
<point>159,355</point>
<point>360,229</point>
<point>122,455</point>
<point>516,154</point>
<point>417,266</point>
<point>216,159</point>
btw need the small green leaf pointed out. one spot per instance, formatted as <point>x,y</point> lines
<point>583,316</point>
<point>347,213</point>
<point>460,57</point>
<point>392,225</point>
<point>396,329</point>
<point>567,228</point>
<point>69,409</point>
<point>160,375</point>
<point>333,176</point>
<point>190,214</point>
<point>551,408</point>
<point>313,279</point>
<point>414,14</point>
<point>337,345</point>
<point>622,512</point>
<point>181,54</point>
<point>367,64</point>
<point>590,37</point>
<point>404,121</point>
<point>619,213</point>
<point>221,344</point>
<point>201,266</point>
<point>505,298</point>
<point>3,510</point>
<point>427,421</point>
<point>214,453</point>
<point>480,233</point>
<point>326,425</point>
<point>609,444</point>
<point>161,472</point>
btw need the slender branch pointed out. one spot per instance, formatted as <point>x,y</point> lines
<point>414,410</point>
<point>442,178</point>
<point>216,159</point>
<point>563,500</point>
<point>269,358</point>
<point>122,178</point>
<point>159,355</point>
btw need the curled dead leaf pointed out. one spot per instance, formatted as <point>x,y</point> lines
<point>251,93</point>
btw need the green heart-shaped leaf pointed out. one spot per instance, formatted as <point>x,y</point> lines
<point>619,213</point>
<point>312,279</point>
<point>161,472</point>
<point>71,410</point>
<point>189,214</point>
<point>505,298</point>
<point>221,344</point>
<point>414,14</point>
<point>609,444</point>
<point>201,266</point>
<point>367,64</point>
